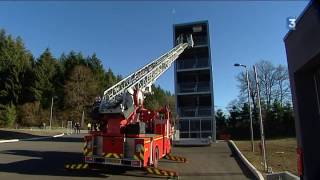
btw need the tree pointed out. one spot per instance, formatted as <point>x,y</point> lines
<point>98,72</point>
<point>221,121</point>
<point>80,90</point>
<point>243,95</point>
<point>111,79</point>
<point>16,65</point>
<point>46,74</point>
<point>27,84</point>
<point>273,84</point>
<point>160,98</point>
<point>8,115</point>
<point>275,99</point>
<point>283,93</point>
<point>71,60</point>
<point>157,99</point>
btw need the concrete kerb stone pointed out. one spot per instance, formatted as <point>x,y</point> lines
<point>30,139</point>
<point>254,171</point>
<point>282,175</point>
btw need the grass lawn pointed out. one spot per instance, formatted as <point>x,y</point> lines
<point>281,154</point>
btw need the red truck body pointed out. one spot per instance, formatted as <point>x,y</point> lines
<point>113,145</point>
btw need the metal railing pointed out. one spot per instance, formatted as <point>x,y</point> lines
<point>194,87</point>
<point>200,111</point>
<point>193,63</point>
<point>200,40</point>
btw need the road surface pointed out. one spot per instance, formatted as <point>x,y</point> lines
<point>45,159</point>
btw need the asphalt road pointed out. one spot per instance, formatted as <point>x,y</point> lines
<point>45,159</point>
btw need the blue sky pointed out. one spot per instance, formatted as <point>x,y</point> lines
<point>127,35</point>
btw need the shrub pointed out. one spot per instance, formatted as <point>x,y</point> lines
<point>8,115</point>
<point>29,114</point>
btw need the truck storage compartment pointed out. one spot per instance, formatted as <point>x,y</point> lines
<point>113,145</point>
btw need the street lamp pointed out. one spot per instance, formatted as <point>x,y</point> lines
<point>250,111</point>
<point>51,110</point>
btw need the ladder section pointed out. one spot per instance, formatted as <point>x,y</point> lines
<point>144,77</point>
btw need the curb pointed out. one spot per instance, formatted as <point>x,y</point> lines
<point>282,175</point>
<point>30,139</point>
<point>254,171</point>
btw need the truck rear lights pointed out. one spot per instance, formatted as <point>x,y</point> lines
<point>88,159</point>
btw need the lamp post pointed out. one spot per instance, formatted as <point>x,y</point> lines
<point>250,111</point>
<point>263,145</point>
<point>51,110</point>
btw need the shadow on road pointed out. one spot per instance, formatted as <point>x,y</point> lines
<point>16,135</point>
<point>45,163</point>
<point>62,139</point>
<point>51,163</point>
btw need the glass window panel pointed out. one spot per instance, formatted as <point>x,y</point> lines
<point>206,125</point>
<point>204,111</point>
<point>184,135</point>
<point>194,135</point>
<point>187,112</point>
<point>194,125</point>
<point>206,134</point>
<point>184,125</point>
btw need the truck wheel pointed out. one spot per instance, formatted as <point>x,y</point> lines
<point>156,157</point>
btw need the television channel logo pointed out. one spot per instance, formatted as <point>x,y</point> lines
<point>291,23</point>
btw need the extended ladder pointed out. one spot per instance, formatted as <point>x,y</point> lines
<point>144,77</point>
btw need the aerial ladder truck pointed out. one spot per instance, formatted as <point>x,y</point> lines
<point>129,134</point>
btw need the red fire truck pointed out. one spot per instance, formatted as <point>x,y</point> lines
<point>126,133</point>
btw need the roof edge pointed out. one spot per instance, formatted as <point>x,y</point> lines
<point>191,23</point>
<point>299,18</point>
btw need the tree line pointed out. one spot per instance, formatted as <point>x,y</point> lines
<point>276,105</point>
<point>30,85</point>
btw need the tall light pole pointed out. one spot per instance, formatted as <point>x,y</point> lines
<point>261,122</point>
<point>51,110</point>
<point>250,111</point>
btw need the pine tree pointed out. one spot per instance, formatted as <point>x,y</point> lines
<point>46,74</point>
<point>80,91</point>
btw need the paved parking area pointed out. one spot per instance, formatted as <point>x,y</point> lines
<point>45,159</point>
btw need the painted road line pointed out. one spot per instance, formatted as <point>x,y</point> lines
<point>30,139</point>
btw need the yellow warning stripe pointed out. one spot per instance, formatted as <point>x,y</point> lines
<point>135,157</point>
<point>161,172</point>
<point>164,173</point>
<point>76,166</point>
<point>157,171</point>
<point>175,158</point>
<point>85,166</point>
<point>141,156</point>
<point>112,155</point>
<point>150,170</point>
<point>87,152</point>
<point>116,155</point>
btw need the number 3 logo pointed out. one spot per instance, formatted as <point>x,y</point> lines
<point>291,22</point>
